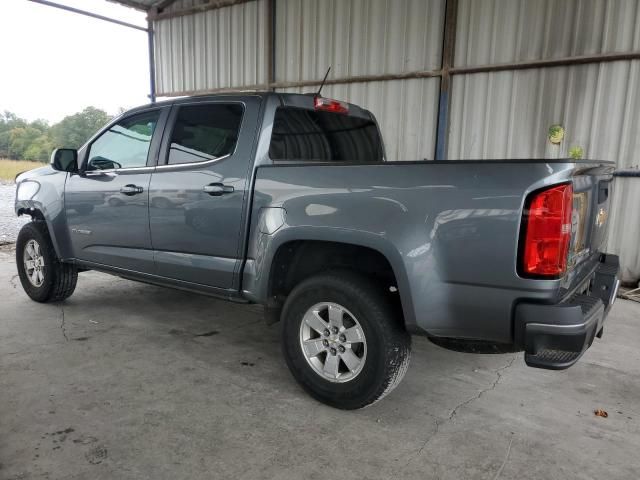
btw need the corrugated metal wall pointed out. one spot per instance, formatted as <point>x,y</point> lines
<point>227,48</point>
<point>369,37</point>
<point>220,48</point>
<point>503,114</point>
<point>356,37</point>
<point>507,114</point>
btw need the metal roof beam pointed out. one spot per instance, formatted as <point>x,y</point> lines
<point>162,4</point>
<point>132,4</point>
<point>209,5</point>
<point>89,14</point>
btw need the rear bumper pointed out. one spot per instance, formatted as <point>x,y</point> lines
<point>555,336</point>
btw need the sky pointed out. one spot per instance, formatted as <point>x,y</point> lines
<point>54,63</point>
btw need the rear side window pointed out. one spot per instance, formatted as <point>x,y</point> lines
<point>205,132</point>
<point>316,136</point>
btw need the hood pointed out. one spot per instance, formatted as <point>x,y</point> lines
<point>37,172</point>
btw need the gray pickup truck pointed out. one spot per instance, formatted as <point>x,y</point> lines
<point>286,200</point>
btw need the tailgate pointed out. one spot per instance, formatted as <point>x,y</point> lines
<point>592,189</point>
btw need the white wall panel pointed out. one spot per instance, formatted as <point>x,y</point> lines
<point>508,114</point>
<point>501,31</point>
<point>356,37</point>
<point>624,227</point>
<point>218,48</point>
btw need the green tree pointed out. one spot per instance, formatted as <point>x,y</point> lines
<point>8,121</point>
<point>39,149</point>
<point>74,130</point>
<point>22,140</point>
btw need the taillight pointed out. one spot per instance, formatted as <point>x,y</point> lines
<point>547,232</point>
<point>329,105</point>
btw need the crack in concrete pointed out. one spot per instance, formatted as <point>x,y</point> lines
<point>424,445</point>
<point>12,281</point>
<point>498,373</point>
<point>454,412</point>
<point>62,324</point>
<point>506,459</point>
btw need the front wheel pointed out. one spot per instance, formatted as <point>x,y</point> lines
<point>343,341</point>
<point>44,278</point>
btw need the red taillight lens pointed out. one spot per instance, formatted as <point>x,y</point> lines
<point>329,105</point>
<point>547,232</point>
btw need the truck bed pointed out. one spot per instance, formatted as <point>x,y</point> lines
<point>450,230</point>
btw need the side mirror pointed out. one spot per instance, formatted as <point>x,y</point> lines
<point>65,160</point>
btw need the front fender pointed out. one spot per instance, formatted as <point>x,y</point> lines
<point>47,204</point>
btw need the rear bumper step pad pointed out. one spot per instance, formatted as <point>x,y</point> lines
<point>555,336</point>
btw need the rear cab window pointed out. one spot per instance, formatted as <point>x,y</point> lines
<point>305,135</point>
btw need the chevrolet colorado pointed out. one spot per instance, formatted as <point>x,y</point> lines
<point>287,200</point>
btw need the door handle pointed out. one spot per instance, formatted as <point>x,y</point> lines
<point>217,189</point>
<point>131,190</point>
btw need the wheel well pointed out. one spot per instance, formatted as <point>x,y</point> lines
<point>33,213</point>
<point>297,260</point>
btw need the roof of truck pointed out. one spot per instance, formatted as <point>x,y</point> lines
<point>300,100</point>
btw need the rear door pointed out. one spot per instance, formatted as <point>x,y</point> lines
<point>107,204</point>
<point>198,191</point>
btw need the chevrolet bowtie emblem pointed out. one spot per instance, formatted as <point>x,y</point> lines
<point>601,217</point>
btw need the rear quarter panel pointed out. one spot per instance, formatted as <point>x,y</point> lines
<point>449,230</point>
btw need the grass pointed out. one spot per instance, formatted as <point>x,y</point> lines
<point>10,168</point>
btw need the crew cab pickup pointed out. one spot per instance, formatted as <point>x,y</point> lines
<point>287,200</point>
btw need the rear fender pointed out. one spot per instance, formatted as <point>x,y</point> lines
<point>258,268</point>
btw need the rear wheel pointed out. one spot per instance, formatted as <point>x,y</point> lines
<point>343,341</point>
<point>43,277</point>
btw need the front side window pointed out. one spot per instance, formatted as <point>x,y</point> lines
<point>125,144</point>
<point>315,136</point>
<point>205,132</point>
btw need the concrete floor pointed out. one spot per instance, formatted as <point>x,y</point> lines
<point>126,380</point>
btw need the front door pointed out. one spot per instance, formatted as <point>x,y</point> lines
<point>198,191</point>
<point>107,205</point>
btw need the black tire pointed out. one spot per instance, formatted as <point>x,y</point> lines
<point>388,343</point>
<point>59,280</point>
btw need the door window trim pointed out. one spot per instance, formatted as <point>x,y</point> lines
<point>163,155</point>
<point>154,145</point>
